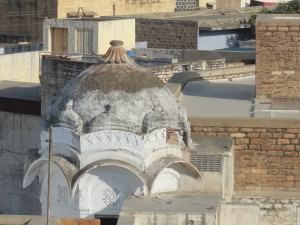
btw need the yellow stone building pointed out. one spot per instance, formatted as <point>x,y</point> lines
<point>23,20</point>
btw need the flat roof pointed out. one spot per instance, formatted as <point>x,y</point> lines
<point>20,90</point>
<point>219,98</point>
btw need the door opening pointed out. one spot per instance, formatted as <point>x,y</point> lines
<point>107,219</point>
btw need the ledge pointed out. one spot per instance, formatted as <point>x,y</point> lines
<point>244,122</point>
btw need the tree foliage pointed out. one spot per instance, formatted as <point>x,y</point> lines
<point>292,7</point>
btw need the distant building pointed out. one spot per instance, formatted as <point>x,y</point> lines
<point>87,35</point>
<point>22,20</point>
<point>200,32</point>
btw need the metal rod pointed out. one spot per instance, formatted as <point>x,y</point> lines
<point>49,175</point>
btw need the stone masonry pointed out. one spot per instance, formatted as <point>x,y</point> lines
<point>167,34</point>
<point>277,56</point>
<point>266,151</point>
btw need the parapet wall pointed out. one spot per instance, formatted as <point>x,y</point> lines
<point>186,55</point>
<point>23,67</point>
<point>165,72</point>
<point>277,56</point>
<point>266,152</point>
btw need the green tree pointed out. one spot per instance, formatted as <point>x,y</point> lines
<point>292,7</point>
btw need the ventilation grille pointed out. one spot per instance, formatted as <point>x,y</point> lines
<point>207,163</point>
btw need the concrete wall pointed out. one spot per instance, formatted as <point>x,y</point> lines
<point>266,152</point>
<point>20,67</point>
<point>116,30</point>
<point>167,34</point>
<point>277,54</point>
<point>18,134</point>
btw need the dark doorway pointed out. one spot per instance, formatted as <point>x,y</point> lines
<point>107,219</point>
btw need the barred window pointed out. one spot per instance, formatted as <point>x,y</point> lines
<point>207,163</point>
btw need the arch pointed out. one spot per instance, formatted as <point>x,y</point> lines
<point>68,169</point>
<point>109,162</point>
<point>157,166</point>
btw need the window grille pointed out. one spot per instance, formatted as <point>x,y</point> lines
<point>207,163</point>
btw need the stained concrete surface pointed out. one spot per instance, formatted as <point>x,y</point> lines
<point>219,98</point>
<point>164,209</point>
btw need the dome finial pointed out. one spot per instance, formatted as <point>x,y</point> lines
<point>116,53</point>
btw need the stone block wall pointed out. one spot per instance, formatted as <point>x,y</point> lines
<point>266,152</point>
<point>165,72</point>
<point>167,34</point>
<point>277,56</point>
<point>18,134</point>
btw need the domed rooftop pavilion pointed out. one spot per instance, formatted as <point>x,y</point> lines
<point>117,131</point>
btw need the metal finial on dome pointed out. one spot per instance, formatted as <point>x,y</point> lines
<point>116,53</point>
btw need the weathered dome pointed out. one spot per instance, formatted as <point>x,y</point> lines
<point>116,94</point>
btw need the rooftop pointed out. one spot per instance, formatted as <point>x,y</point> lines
<point>20,97</point>
<point>20,90</point>
<point>219,98</point>
<point>229,99</point>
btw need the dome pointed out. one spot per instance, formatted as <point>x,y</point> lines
<point>116,94</point>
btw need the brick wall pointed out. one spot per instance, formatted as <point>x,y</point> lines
<point>167,33</point>
<point>266,151</point>
<point>277,57</point>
